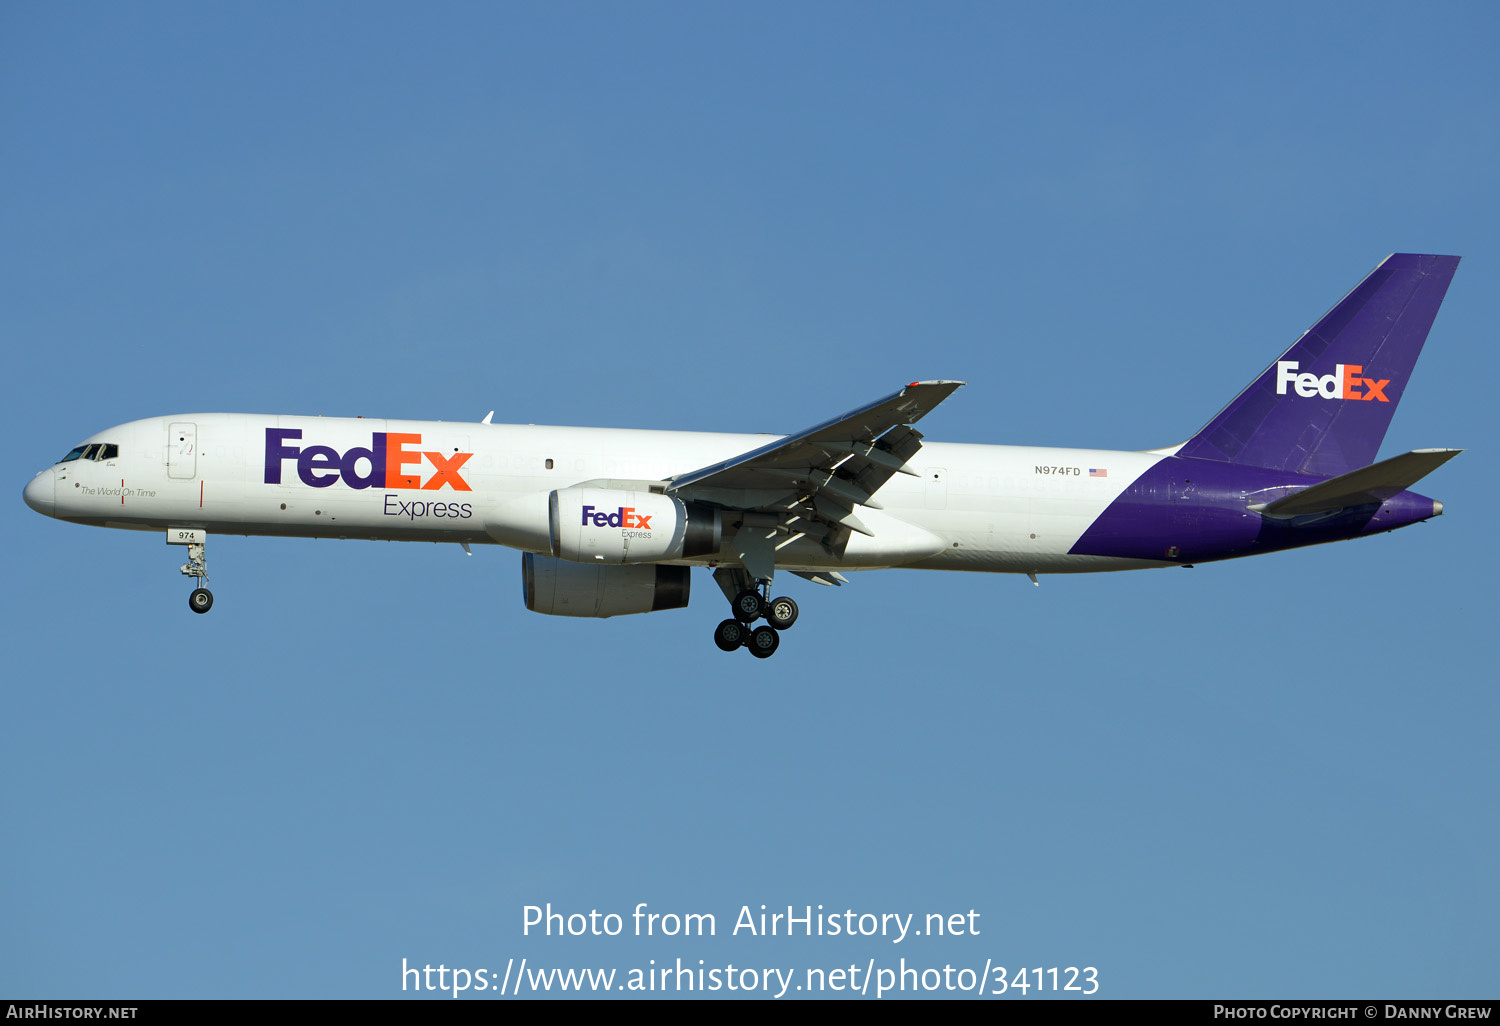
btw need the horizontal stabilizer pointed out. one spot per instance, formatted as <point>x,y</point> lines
<point>1375,483</point>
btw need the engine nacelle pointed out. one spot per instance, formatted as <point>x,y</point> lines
<point>608,525</point>
<point>562,588</point>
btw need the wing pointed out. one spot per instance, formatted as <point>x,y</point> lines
<point>810,482</point>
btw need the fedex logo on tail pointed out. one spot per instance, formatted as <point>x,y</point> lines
<point>1345,382</point>
<point>388,457</point>
<point>624,516</point>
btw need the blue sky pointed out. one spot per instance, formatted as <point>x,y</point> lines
<point>1263,778</point>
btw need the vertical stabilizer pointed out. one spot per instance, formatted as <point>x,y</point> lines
<point>1324,407</point>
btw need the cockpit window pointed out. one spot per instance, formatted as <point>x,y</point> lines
<point>96,451</point>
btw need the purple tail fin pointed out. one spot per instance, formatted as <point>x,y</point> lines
<point>1323,408</point>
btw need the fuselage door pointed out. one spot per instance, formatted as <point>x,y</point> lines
<point>182,451</point>
<point>1186,513</point>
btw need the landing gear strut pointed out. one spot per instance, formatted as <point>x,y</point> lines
<point>751,600</point>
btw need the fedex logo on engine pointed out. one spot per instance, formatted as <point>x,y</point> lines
<point>1344,383</point>
<point>624,516</point>
<point>388,457</point>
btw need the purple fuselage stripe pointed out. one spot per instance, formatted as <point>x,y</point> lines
<point>1194,511</point>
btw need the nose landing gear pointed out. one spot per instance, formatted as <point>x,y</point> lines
<point>201,600</point>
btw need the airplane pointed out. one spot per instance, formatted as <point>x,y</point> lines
<point>610,522</point>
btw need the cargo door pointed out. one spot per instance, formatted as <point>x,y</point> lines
<point>182,451</point>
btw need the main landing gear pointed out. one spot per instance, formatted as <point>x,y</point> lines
<point>748,605</point>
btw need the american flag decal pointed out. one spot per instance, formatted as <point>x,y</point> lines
<point>1098,472</point>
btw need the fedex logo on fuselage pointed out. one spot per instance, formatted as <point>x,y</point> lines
<point>388,457</point>
<point>1344,383</point>
<point>624,516</point>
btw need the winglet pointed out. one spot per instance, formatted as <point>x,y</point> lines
<point>487,417</point>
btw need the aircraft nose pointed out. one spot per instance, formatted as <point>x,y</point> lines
<point>39,493</point>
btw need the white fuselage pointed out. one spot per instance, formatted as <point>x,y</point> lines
<point>971,507</point>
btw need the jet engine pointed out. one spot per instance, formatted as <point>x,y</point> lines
<point>610,525</point>
<point>563,588</point>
